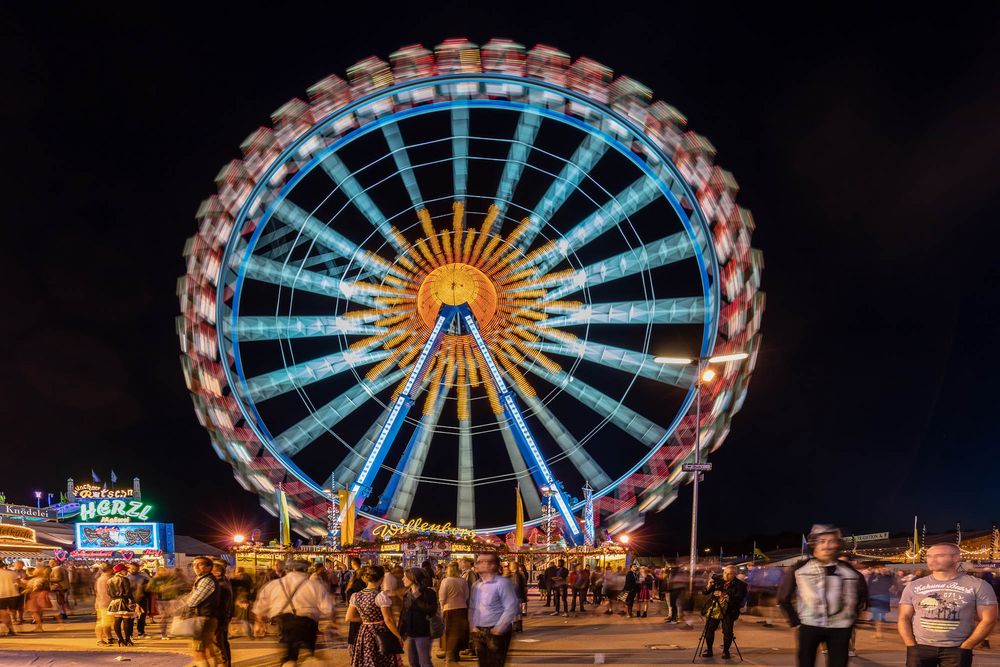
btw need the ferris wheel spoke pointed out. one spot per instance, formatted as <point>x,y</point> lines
<point>572,174</point>
<point>465,509</point>
<point>348,470</point>
<point>460,150</point>
<point>585,464</point>
<point>653,255</point>
<point>304,433</point>
<point>269,327</point>
<point>642,192</point>
<point>342,177</point>
<point>394,138</point>
<point>628,420</point>
<point>684,310</point>
<point>283,275</point>
<point>529,492</point>
<point>524,138</point>
<point>298,219</point>
<point>609,356</point>
<point>290,378</point>
<point>402,488</point>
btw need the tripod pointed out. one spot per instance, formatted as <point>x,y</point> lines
<point>713,604</point>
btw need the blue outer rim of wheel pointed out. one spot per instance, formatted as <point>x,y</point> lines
<point>710,288</point>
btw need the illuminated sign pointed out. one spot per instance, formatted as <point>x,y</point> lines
<point>88,490</point>
<point>19,533</point>
<point>113,537</point>
<point>115,511</point>
<point>390,530</point>
<point>28,512</point>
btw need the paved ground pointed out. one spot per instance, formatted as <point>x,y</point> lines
<point>583,640</point>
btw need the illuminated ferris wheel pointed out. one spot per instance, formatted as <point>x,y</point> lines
<point>450,274</point>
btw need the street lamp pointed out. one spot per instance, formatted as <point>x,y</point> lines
<point>704,375</point>
<point>238,539</point>
<point>38,499</point>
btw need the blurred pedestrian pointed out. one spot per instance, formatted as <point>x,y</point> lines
<point>880,583</point>
<point>822,597</point>
<point>493,607</point>
<point>645,582</point>
<point>140,593</point>
<point>166,586</point>
<point>581,584</point>
<point>102,599</point>
<point>242,599</point>
<point>297,603</point>
<point>60,586</point>
<point>354,585</point>
<point>631,588</point>
<point>453,595</point>
<point>9,592</point>
<point>559,583</point>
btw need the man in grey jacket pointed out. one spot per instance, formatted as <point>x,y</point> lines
<point>822,597</point>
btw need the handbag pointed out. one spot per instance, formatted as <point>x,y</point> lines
<point>187,626</point>
<point>387,643</point>
<point>437,625</point>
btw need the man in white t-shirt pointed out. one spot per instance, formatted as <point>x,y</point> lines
<point>944,615</point>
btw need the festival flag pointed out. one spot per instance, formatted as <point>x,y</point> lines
<point>519,518</point>
<point>758,552</point>
<point>347,510</point>
<point>284,527</point>
<point>114,477</point>
<point>916,542</point>
<point>93,476</point>
<point>805,544</point>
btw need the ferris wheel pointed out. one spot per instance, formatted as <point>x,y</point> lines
<point>450,274</point>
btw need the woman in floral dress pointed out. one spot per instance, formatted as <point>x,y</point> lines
<point>373,609</point>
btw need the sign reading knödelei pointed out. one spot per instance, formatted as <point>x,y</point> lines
<point>28,512</point>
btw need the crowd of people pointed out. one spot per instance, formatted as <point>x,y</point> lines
<point>469,609</point>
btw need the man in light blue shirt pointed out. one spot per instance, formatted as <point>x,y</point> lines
<point>493,607</point>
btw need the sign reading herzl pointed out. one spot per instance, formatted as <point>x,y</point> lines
<point>28,512</point>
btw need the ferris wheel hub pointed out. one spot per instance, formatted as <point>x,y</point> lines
<point>452,285</point>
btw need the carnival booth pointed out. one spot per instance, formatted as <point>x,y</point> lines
<point>21,543</point>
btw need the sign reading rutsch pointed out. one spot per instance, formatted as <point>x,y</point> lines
<point>87,490</point>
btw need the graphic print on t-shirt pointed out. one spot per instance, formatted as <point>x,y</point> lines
<point>939,611</point>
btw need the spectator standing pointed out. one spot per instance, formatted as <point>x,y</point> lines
<point>822,597</point>
<point>631,588</point>
<point>492,610</point>
<point>559,584</point>
<point>203,601</point>
<point>419,604</point>
<point>122,606</point>
<point>547,576</point>
<point>645,581</point>
<point>944,615</point>
<point>725,599</point>
<point>581,584</point>
<point>521,587</point>
<point>224,610</point>
<point>356,584</point>
<point>371,608</point>
<point>453,595</point>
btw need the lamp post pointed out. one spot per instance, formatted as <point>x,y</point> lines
<point>38,499</point>
<point>704,374</point>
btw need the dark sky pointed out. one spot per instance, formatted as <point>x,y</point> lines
<point>862,143</point>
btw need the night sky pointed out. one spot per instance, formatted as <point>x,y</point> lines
<point>862,144</point>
